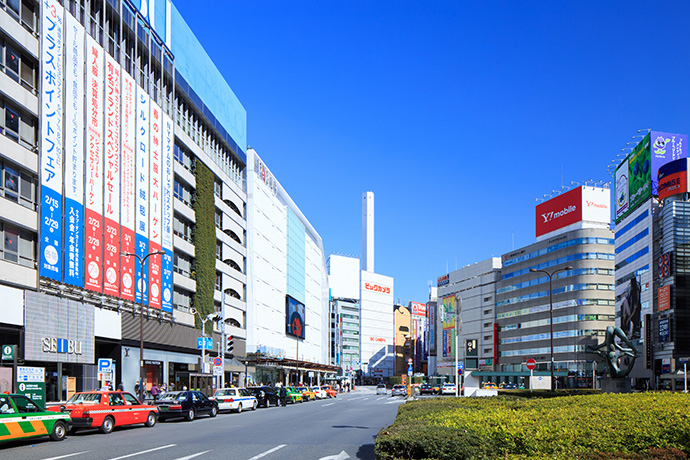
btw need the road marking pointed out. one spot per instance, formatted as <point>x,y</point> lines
<point>397,401</point>
<point>341,456</point>
<point>144,452</point>
<point>382,397</point>
<point>68,455</point>
<point>268,452</point>
<point>329,404</point>
<point>188,457</point>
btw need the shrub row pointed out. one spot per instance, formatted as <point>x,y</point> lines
<point>634,426</point>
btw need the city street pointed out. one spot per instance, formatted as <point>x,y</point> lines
<point>339,428</point>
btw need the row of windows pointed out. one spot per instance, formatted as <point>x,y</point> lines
<point>556,305</point>
<point>182,264</point>
<point>556,335</point>
<point>632,241</point>
<point>24,12</point>
<point>557,247</point>
<point>184,158</point>
<point>632,275</point>
<point>543,350</point>
<point>632,258</point>
<point>557,320</point>
<point>561,260</point>
<point>183,192</point>
<point>545,279</point>
<point>18,66</point>
<point>18,246</point>
<point>17,186</point>
<point>631,224</point>
<point>182,300</point>
<point>559,290</point>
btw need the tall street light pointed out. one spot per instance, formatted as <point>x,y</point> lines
<point>550,275</point>
<point>458,330</point>
<point>142,288</point>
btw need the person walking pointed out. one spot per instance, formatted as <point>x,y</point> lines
<point>283,395</point>
<point>155,391</point>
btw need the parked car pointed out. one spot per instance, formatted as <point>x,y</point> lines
<point>106,410</point>
<point>307,393</point>
<point>294,395</point>
<point>489,386</point>
<point>266,396</point>
<point>236,399</point>
<point>330,392</point>
<point>437,389</point>
<point>319,392</point>
<point>21,418</point>
<point>426,389</point>
<point>399,390</point>
<point>187,404</point>
<point>448,389</point>
<point>510,386</point>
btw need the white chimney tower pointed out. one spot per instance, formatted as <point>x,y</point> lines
<point>368,231</point>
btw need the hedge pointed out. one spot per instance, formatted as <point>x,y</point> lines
<point>204,244</point>
<point>605,426</point>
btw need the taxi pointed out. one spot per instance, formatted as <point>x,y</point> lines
<point>320,394</point>
<point>307,393</point>
<point>294,395</point>
<point>235,399</point>
<point>330,392</point>
<point>21,418</point>
<point>107,409</point>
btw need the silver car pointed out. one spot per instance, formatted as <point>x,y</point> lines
<point>381,389</point>
<point>399,390</point>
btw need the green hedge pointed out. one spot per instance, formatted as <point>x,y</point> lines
<point>204,244</point>
<point>604,426</point>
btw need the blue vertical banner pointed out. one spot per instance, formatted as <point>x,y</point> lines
<point>167,212</point>
<point>74,152</point>
<point>51,159</point>
<point>142,192</point>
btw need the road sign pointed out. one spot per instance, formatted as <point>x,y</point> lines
<point>105,364</point>
<point>105,376</point>
<point>204,342</point>
<point>217,361</point>
<point>461,365</point>
<point>531,364</point>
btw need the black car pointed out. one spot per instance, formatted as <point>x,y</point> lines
<point>426,388</point>
<point>266,396</point>
<point>187,404</point>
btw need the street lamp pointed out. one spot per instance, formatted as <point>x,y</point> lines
<point>550,275</point>
<point>458,329</point>
<point>142,369</point>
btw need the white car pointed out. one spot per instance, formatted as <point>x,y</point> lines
<point>320,393</point>
<point>448,389</point>
<point>235,399</point>
<point>381,389</point>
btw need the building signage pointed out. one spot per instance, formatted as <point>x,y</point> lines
<point>664,298</point>
<point>664,330</point>
<point>377,339</point>
<point>56,345</point>
<point>448,321</point>
<point>265,175</point>
<point>665,148</point>
<point>377,288</point>
<point>665,265</point>
<point>442,280</point>
<point>673,178</point>
<point>622,190</point>
<point>128,188</point>
<point>31,383</point>
<point>418,308</point>
<point>558,212</point>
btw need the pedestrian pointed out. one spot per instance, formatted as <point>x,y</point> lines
<point>163,388</point>
<point>155,391</point>
<point>121,386</point>
<point>283,396</point>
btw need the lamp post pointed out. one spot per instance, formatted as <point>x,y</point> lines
<point>550,275</point>
<point>142,369</point>
<point>458,329</point>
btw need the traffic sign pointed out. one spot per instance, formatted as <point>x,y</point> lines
<point>8,352</point>
<point>461,365</point>
<point>531,364</point>
<point>105,364</point>
<point>217,361</point>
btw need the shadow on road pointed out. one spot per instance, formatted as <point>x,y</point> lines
<point>366,452</point>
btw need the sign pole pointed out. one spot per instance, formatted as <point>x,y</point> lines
<point>685,375</point>
<point>531,376</point>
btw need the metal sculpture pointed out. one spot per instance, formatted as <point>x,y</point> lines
<point>612,352</point>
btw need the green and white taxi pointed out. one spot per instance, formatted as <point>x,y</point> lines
<point>21,418</point>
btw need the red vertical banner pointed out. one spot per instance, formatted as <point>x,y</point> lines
<point>155,211</point>
<point>111,176</point>
<point>127,193</point>
<point>93,232</point>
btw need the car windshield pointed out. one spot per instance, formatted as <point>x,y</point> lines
<point>399,386</point>
<point>381,386</point>
<point>85,398</point>
<point>173,396</point>
<point>225,393</point>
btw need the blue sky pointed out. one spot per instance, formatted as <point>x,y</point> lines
<point>457,115</point>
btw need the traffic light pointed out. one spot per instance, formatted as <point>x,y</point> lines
<point>230,345</point>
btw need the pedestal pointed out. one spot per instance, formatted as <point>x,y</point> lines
<point>615,385</point>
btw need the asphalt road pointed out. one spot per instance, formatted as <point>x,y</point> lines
<point>334,429</point>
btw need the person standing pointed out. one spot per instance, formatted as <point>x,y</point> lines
<point>283,395</point>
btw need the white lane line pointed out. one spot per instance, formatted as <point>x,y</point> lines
<point>268,452</point>
<point>329,404</point>
<point>68,455</point>
<point>382,397</point>
<point>188,457</point>
<point>397,401</point>
<point>144,452</point>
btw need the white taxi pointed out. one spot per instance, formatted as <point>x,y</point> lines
<point>235,399</point>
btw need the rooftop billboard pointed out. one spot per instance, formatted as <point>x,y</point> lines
<point>589,204</point>
<point>673,178</point>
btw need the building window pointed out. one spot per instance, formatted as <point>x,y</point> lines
<point>182,300</point>
<point>17,186</point>
<point>219,250</point>
<point>182,264</point>
<point>182,192</point>
<point>182,228</point>
<point>219,281</point>
<point>219,219</point>
<point>17,245</point>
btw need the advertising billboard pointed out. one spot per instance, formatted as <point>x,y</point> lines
<point>622,190</point>
<point>155,192</point>
<point>294,315</point>
<point>74,153</point>
<point>673,178</point>
<point>664,298</point>
<point>664,330</point>
<point>167,213</point>
<point>630,310</point>
<point>418,308</point>
<point>665,265</point>
<point>432,328</point>
<point>142,192</point>
<point>640,174</point>
<point>666,147</point>
<point>51,211</point>
<point>558,212</point>
<point>596,205</point>
<point>448,321</point>
<point>111,177</point>
<point>128,188</point>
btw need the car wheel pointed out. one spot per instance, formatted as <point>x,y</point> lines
<point>150,419</point>
<point>254,404</point>
<point>239,408</point>
<point>107,425</point>
<point>268,403</point>
<point>214,412</point>
<point>190,415</point>
<point>59,431</point>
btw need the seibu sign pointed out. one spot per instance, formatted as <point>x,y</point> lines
<point>581,204</point>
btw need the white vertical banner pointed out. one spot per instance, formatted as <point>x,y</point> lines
<point>93,247</point>
<point>51,148</point>
<point>155,214</point>
<point>111,177</point>
<point>128,187</point>
<point>142,190</point>
<point>167,208</point>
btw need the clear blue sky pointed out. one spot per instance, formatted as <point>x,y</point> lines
<point>457,115</point>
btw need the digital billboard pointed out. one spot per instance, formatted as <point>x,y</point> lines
<point>294,316</point>
<point>673,178</point>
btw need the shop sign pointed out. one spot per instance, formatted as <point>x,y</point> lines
<point>55,345</point>
<point>664,330</point>
<point>8,352</point>
<point>31,383</point>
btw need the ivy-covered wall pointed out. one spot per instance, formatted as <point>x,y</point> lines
<point>204,244</point>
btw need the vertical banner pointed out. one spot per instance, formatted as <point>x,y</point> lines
<point>111,176</point>
<point>155,215</point>
<point>93,232</point>
<point>128,187</point>
<point>167,208</point>
<point>74,152</point>
<point>51,140</point>
<point>448,318</point>
<point>142,191</point>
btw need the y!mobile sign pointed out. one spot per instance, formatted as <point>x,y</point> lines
<point>559,212</point>
<point>51,143</point>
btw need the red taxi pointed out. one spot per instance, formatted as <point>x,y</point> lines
<point>330,392</point>
<point>107,409</point>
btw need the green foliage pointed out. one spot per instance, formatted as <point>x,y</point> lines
<point>603,426</point>
<point>204,244</point>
